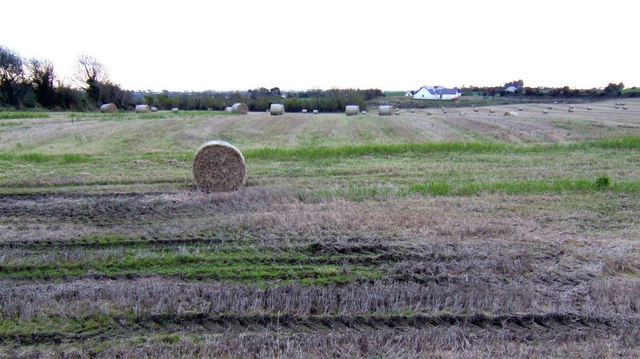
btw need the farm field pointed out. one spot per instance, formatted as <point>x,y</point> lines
<point>443,235</point>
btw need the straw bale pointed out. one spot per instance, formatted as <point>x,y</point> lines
<point>219,167</point>
<point>385,110</point>
<point>240,108</point>
<point>276,109</point>
<point>142,108</point>
<point>352,110</point>
<point>108,108</point>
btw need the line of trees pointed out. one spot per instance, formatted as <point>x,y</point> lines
<point>612,90</point>
<point>32,83</point>
<point>260,99</point>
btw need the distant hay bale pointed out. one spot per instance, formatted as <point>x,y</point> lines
<point>589,108</point>
<point>142,108</point>
<point>617,107</point>
<point>276,109</point>
<point>239,108</point>
<point>397,112</point>
<point>622,103</point>
<point>315,112</point>
<point>385,110</point>
<point>461,113</point>
<point>519,108</point>
<point>555,102</point>
<point>227,109</point>
<point>218,167</point>
<point>413,111</point>
<point>625,108</point>
<point>511,113</point>
<point>570,109</point>
<point>304,110</point>
<point>545,112</point>
<point>475,109</point>
<point>428,113</point>
<point>492,111</point>
<point>108,108</point>
<point>444,111</point>
<point>154,109</point>
<point>549,107</point>
<point>175,109</point>
<point>209,109</point>
<point>352,110</point>
<point>364,112</point>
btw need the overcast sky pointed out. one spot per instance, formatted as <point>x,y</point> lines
<point>297,44</point>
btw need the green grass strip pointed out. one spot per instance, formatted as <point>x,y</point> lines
<point>310,153</point>
<point>41,157</point>
<point>20,114</point>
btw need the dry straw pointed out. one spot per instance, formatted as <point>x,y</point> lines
<point>154,109</point>
<point>219,167</point>
<point>385,110</point>
<point>142,108</point>
<point>276,109</point>
<point>108,108</point>
<point>352,110</point>
<point>304,110</point>
<point>240,108</point>
<point>315,112</point>
<point>175,109</point>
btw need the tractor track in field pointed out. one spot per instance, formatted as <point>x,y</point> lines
<point>199,323</point>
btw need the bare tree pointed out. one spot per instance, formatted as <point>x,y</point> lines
<point>90,75</point>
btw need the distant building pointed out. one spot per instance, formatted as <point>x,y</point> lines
<point>437,93</point>
<point>409,93</point>
<point>512,89</point>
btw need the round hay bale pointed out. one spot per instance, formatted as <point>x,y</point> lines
<point>444,111</point>
<point>428,113</point>
<point>364,112</point>
<point>492,111</point>
<point>461,113</point>
<point>588,108</point>
<point>219,167</point>
<point>304,110</point>
<point>413,111</point>
<point>625,108</point>
<point>511,113</point>
<point>154,109</point>
<point>175,109</point>
<point>276,109</point>
<point>239,108</point>
<point>108,108</point>
<point>142,108</point>
<point>519,108</point>
<point>544,112</point>
<point>315,112</point>
<point>549,107</point>
<point>352,110</point>
<point>570,109</point>
<point>475,109</point>
<point>617,107</point>
<point>385,110</point>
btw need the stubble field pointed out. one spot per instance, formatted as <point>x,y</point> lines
<point>446,235</point>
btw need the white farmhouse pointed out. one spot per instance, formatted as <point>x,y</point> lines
<point>437,93</point>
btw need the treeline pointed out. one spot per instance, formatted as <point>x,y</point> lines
<point>260,99</point>
<point>610,91</point>
<point>32,83</point>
